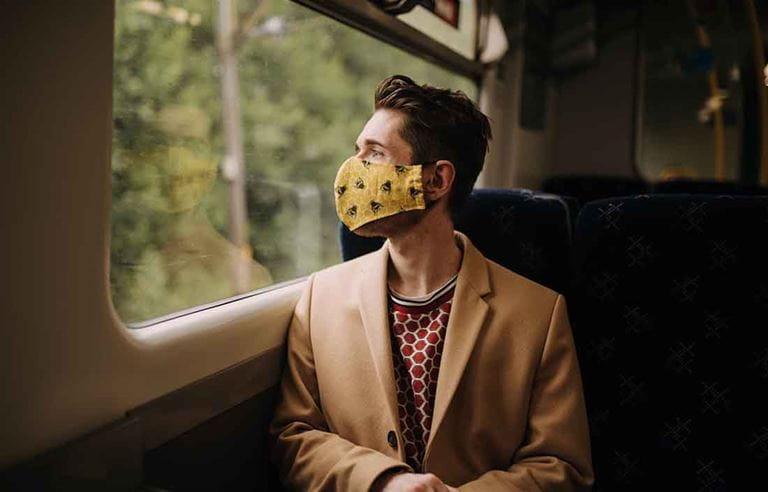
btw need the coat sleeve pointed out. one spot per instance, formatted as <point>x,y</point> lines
<point>555,455</point>
<point>309,456</point>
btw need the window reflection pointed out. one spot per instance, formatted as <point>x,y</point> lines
<point>187,227</point>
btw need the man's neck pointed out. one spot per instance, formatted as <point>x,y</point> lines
<point>424,258</point>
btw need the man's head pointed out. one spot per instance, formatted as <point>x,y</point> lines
<point>438,128</point>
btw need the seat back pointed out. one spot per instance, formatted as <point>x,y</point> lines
<point>670,315</point>
<point>708,187</point>
<point>589,188</point>
<point>524,231</point>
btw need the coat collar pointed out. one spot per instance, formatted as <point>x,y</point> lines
<point>467,317</point>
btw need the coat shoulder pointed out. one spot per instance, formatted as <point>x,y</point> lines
<point>507,282</point>
<point>345,275</point>
<point>524,309</point>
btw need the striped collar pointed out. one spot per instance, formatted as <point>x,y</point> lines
<point>423,300</point>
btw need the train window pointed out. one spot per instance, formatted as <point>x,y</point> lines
<point>230,120</point>
<point>691,95</point>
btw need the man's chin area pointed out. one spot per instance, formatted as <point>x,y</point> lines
<point>387,227</point>
<point>367,230</point>
<point>377,228</point>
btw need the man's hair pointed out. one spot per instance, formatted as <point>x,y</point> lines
<point>439,124</point>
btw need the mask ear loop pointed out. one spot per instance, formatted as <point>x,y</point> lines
<point>427,204</point>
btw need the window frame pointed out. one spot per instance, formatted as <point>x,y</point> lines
<point>209,305</point>
<point>365,17</point>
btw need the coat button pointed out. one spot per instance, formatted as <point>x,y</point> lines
<point>392,439</point>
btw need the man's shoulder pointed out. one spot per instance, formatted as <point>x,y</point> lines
<point>506,282</point>
<point>347,272</point>
<point>523,308</point>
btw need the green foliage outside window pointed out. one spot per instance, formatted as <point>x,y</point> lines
<point>306,89</point>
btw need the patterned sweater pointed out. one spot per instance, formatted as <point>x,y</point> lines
<point>418,328</point>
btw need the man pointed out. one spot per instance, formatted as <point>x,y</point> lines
<point>425,366</point>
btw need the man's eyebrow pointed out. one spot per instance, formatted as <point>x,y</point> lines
<point>370,141</point>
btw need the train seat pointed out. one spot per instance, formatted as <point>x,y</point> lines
<point>589,188</point>
<point>527,232</point>
<point>669,307</point>
<point>708,187</point>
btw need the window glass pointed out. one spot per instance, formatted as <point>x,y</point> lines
<point>691,92</point>
<point>230,121</point>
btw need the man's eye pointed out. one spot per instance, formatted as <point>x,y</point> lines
<point>376,153</point>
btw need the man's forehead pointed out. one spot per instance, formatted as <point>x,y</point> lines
<point>382,128</point>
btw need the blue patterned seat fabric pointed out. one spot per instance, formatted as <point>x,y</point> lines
<point>670,312</point>
<point>524,231</point>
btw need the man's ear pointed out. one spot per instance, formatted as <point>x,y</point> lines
<point>439,179</point>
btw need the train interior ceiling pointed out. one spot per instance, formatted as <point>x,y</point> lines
<point>171,168</point>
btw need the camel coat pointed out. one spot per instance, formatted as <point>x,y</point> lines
<point>509,411</point>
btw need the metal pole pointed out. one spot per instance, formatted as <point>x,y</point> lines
<point>762,91</point>
<point>234,167</point>
<point>714,91</point>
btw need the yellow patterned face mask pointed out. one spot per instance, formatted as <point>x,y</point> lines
<point>366,191</point>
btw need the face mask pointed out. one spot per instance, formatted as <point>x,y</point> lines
<point>366,191</point>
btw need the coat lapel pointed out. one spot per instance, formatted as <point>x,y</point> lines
<point>374,313</point>
<point>466,319</point>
